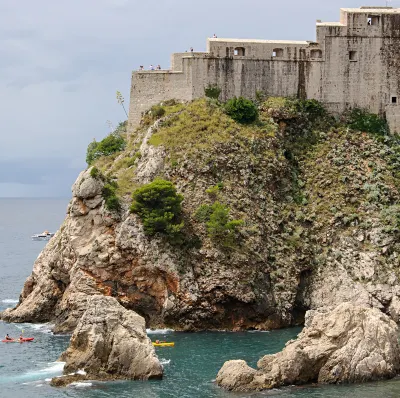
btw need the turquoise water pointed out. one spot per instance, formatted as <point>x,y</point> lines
<point>190,367</point>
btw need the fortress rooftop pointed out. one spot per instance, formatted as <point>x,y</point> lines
<point>257,41</point>
<point>372,9</point>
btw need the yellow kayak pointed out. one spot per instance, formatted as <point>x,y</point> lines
<point>163,344</point>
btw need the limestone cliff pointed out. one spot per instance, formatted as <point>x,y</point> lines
<point>319,208</point>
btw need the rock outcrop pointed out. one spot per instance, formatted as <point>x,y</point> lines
<point>63,381</point>
<point>349,344</point>
<point>110,342</point>
<point>319,206</point>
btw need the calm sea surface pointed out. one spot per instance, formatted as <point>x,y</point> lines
<point>190,366</point>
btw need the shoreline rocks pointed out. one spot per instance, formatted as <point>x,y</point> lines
<point>111,343</point>
<point>63,381</point>
<point>349,344</point>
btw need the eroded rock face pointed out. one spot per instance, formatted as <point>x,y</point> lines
<point>349,344</point>
<point>302,246</point>
<point>110,342</point>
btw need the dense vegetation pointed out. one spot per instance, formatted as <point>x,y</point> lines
<point>241,110</point>
<point>114,142</point>
<point>159,207</point>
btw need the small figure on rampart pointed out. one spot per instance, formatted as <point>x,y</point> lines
<point>158,67</point>
<point>151,67</point>
<point>214,36</point>
<point>141,67</point>
<point>191,49</point>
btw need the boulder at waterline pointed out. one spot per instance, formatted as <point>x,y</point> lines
<point>349,344</point>
<point>63,381</point>
<point>110,342</point>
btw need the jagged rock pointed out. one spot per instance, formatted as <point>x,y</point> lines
<point>87,187</point>
<point>110,342</point>
<point>394,309</point>
<point>349,344</point>
<point>64,381</point>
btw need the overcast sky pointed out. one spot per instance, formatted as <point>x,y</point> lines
<point>61,63</point>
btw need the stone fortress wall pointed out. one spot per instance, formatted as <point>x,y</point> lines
<point>353,63</point>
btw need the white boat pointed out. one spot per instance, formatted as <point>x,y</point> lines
<point>45,235</point>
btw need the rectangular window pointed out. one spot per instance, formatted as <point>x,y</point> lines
<point>373,20</point>
<point>394,100</point>
<point>277,52</point>
<point>353,55</point>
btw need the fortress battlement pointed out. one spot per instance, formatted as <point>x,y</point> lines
<point>352,63</point>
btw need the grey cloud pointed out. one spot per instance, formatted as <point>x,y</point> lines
<point>35,171</point>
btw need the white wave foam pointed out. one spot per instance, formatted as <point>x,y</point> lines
<point>81,372</point>
<point>81,384</point>
<point>165,361</point>
<point>53,369</point>
<point>56,367</point>
<point>258,331</point>
<point>158,331</point>
<point>10,301</point>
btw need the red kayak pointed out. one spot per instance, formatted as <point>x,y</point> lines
<point>24,340</point>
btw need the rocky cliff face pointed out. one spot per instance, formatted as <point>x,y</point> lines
<point>319,208</point>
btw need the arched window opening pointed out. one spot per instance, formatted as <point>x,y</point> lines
<point>316,54</point>
<point>277,52</point>
<point>239,51</point>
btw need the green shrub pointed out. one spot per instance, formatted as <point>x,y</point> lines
<point>213,191</point>
<point>159,207</point>
<point>95,172</point>
<point>109,145</point>
<point>219,228</point>
<point>112,202</point>
<point>203,213</point>
<point>241,110</point>
<point>362,120</point>
<point>212,91</point>
<point>157,111</point>
<point>311,107</point>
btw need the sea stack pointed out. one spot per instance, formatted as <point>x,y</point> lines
<point>110,342</point>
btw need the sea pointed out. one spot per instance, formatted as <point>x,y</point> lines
<point>190,367</point>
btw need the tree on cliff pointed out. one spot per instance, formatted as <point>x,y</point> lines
<point>159,207</point>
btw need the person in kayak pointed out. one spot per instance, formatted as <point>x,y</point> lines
<point>21,338</point>
<point>8,337</point>
<point>158,341</point>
